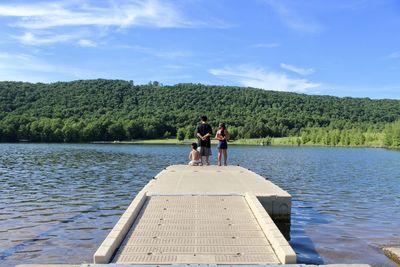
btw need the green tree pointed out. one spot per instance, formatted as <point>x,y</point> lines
<point>180,134</point>
<point>133,129</point>
<point>116,131</point>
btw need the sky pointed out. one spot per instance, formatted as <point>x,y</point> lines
<point>323,47</point>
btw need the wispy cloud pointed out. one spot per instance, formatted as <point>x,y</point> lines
<point>395,54</point>
<point>62,19</point>
<point>292,18</point>
<point>87,43</point>
<point>29,38</point>
<point>118,13</point>
<point>265,45</point>
<point>251,76</point>
<point>297,70</point>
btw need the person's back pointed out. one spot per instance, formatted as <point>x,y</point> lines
<point>203,129</point>
<point>222,136</point>
<point>194,156</point>
<point>203,133</point>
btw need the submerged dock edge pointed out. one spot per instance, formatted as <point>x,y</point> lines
<point>113,240</point>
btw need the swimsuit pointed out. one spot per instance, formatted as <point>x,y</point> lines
<point>195,162</point>
<point>222,144</point>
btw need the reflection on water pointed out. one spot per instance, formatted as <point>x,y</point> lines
<point>58,202</point>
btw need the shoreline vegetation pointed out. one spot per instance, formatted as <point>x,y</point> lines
<point>87,111</point>
<point>280,141</point>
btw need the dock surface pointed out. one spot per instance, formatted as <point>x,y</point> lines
<point>202,215</point>
<point>182,179</point>
<point>202,229</point>
<point>206,215</point>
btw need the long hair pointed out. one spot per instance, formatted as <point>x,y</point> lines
<point>222,129</point>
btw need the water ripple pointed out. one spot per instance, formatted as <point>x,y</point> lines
<point>346,202</point>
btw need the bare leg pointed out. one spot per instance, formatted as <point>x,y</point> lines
<point>207,162</point>
<point>225,157</point>
<point>219,156</point>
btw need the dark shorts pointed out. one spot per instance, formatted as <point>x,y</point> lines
<point>222,145</point>
<point>204,151</point>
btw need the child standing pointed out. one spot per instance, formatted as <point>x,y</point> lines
<point>194,156</point>
<point>222,136</point>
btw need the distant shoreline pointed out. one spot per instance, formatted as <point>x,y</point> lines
<point>282,141</point>
<point>277,141</point>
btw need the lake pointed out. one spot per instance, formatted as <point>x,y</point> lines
<point>59,201</point>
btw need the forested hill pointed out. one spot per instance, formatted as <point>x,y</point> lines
<point>89,110</point>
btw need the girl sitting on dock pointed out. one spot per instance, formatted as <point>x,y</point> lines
<point>194,156</point>
<point>222,136</point>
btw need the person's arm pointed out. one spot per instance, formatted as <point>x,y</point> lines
<point>218,135</point>
<point>209,132</point>
<point>227,136</point>
<point>202,137</point>
<point>190,155</point>
<point>198,134</point>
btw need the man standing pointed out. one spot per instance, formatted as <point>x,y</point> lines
<point>204,132</point>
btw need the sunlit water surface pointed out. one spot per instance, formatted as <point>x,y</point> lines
<point>58,202</point>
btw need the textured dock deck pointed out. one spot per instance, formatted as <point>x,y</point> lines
<point>201,215</point>
<point>182,179</point>
<point>205,216</point>
<point>202,229</point>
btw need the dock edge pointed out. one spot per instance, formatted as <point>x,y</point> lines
<point>113,240</point>
<point>283,250</point>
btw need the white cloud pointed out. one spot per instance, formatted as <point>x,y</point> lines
<point>86,43</point>
<point>297,70</point>
<point>265,45</point>
<point>25,10</point>
<point>29,38</point>
<point>152,13</point>
<point>292,18</point>
<point>395,55</point>
<point>61,20</point>
<point>252,76</point>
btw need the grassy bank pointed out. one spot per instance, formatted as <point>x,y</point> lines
<point>278,141</point>
<point>297,141</point>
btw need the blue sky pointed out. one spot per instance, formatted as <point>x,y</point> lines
<point>341,48</point>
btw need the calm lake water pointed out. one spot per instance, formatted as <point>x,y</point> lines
<point>58,202</point>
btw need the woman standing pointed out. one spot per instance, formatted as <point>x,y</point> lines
<point>222,136</point>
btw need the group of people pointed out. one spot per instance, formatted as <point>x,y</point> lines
<point>202,149</point>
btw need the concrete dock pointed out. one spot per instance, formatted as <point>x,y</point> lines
<point>202,215</point>
<point>205,215</point>
<point>393,253</point>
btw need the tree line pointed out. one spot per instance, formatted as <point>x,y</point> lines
<point>108,110</point>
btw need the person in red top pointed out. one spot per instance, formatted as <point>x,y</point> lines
<point>203,133</point>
